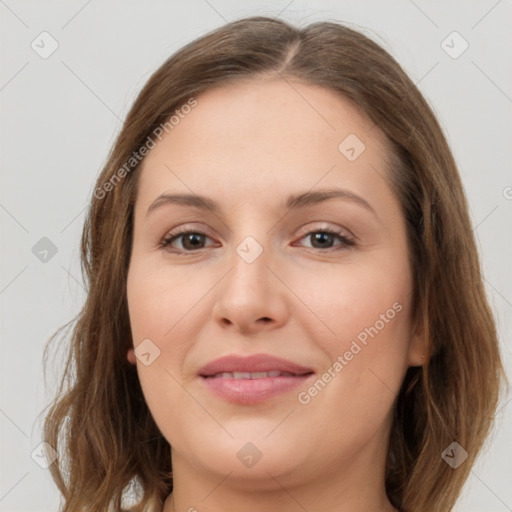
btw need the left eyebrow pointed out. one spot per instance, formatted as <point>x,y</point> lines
<point>301,200</point>
<point>293,202</point>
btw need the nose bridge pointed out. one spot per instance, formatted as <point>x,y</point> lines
<point>251,238</point>
<point>250,260</point>
<point>250,295</point>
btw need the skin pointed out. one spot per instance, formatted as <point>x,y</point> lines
<point>248,146</point>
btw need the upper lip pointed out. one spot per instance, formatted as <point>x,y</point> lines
<point>254,363</point>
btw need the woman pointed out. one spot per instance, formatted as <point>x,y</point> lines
<point>285,308</point>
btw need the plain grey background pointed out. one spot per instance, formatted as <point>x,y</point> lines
<point>61,112</point>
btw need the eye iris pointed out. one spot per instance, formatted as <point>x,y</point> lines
<point>195,237</point>
<point>322,237</point>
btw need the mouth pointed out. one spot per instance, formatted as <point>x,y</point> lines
<point>254,379</point>
<point>252,375</point>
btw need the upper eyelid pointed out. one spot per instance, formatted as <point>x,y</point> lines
<point>326,227</point>
<point>184,229</point>
<point>338,231</point>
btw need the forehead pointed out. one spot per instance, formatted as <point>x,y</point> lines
<point>266,136</point>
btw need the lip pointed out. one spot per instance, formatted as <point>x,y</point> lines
<point>254,363</point>
<point>251,391</point>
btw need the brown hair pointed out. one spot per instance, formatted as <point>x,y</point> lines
<point>100,421</point>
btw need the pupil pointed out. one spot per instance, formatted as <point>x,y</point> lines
<point>193,238</point>
<point>322,237</point>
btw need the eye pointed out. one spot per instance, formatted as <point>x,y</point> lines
<point>324,238</point>
<point>321,239</point>
<point>190,240</point>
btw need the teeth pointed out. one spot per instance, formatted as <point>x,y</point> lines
<point>241,375</point>
<point>252,375</point>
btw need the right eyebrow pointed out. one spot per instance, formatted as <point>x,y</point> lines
<point>194,200</point>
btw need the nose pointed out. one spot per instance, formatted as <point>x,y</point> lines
<point>251,297</point>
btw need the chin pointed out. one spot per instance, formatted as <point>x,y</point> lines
<point>248,459</point>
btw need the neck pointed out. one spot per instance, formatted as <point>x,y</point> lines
<point>170,506</point>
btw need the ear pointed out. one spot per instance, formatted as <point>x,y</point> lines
<point>131,356</point>
<point>417,345</point>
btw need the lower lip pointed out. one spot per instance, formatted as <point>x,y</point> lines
<point>252,391</point>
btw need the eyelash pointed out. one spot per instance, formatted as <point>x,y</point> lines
<point>169,239</point>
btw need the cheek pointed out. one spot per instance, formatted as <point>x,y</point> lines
<point>160,299</point>
<point>362,326</point>
<point>354,303</point>
<point>159,314</point>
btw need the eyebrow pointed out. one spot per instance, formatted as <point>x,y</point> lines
<point>293,202</point>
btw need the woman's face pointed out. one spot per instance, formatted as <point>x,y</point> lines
<point>261,276</point>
